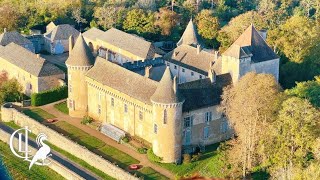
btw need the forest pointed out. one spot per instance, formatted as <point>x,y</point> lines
<point>278,131</point>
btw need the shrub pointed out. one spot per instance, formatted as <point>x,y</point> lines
<point>152,156</point>
<point>125,139</point>
<point>142,150</point>
<point>186,158</point>
<point>52,95</point>
<point>86,120</point>
<point>196,157</point>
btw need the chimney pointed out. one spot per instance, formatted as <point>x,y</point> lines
<point>263,34</point>
<point>198,49</point>
<point>212,76</point>
<point>71,43</point>
<point>175,54</point>
<point>175,84</point>
<point>147,71</point>
<point>5,30</point>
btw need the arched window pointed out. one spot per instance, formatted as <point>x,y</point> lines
<point>165,116</point>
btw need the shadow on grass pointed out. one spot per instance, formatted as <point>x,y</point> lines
<point>33,115</point>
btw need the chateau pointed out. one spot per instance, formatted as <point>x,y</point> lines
<point>173,105</point>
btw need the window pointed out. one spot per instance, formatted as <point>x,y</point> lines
<point>208,116</point>
<point>188,122</point>
<point>30,86</point>
<point>125,108</point>
<point>192,73</point>
<point>205,132</point>
<point>175,67</point>
<point>224,127</point>
<point>99,109</point>
<point>155,128</point>
<point>200,76</point>
<point>140,115</point>
<point>70,88</point>
<point>69,77</point>
<point>183,70</point>
<point>165,116</point>
<point>71,104</point>
<point>112,102</point>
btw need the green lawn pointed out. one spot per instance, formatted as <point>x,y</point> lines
<point>19,169</point>
<point>209,164</point>
<point>38,114</point>
<point>150,174</point>
<point>62,107</point>
<point>94,144</point>
<point>71,157</point>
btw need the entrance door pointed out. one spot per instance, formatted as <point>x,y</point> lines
<point>187,137</point>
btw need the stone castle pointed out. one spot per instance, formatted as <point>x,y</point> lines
<point>173,106</point>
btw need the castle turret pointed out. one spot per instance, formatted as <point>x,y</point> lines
<point>79,62</point>
<point>189,36</point>
<point>167,115</point>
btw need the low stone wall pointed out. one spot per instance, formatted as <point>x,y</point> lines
<point>54,165</point>
<point>11,114</point>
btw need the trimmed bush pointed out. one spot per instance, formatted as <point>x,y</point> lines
<point>186,158</point>
<point>125,139</point>
<point>52,95</point>
<point>152,156</point>
<point>86,120</point>
<point>142,150</point>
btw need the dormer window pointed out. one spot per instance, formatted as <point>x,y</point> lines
<point>192,73</point>
<point>183,70</point>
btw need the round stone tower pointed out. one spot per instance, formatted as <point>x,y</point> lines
<point>79,62</point>
<point>167,119</point>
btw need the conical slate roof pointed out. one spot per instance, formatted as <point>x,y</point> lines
<point>190,35</point>
<point>251,44</point>
<point>81,54</point>
<point>165,92</point>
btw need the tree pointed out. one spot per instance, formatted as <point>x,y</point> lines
<point>140,22</point>
<point>291,137</point>
<point>10,91</point>
<point>229,33</point>
<point>146,5</point>
<point>249,105</point>
<point>309,90</point>
<point>3,77</point>
<point>76,15</point>
<point>295,38</point>
<point>109,16</point>
<point>166,20</point>
<point>207,24</point>
<point>9,16</point>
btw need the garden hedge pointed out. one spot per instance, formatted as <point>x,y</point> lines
<point>46,97</point>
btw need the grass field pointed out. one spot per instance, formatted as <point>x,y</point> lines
<point>150,174</point>
<point>62,107</point>
<point>38,114</point>
<point>71,157</point>
<point>19,169</point>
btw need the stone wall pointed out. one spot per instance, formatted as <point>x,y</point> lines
<point>8,114</point>
<point>54,165</point>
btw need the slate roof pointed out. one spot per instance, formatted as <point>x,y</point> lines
<point>251,44</point>
<point>155,73</point>
<point>128,42</point>
<point>93,33</point>
<point>81,54</point>
<point>62,32</point>
<point>15,37</point>
<point>190,36</point>
<point>122,80</point>
<point>165,91</point>
<point>187,56</point>
<point>28,61</point>
<point>202,93</point>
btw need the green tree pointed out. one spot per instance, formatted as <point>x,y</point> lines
<point>208,25</point>
<point>10,91</point>
<point>9,16</point>
<point>229,33</point>
<point>166,20</point>
<point>295,38</point>
<point>249,105</point>
<point>140,22</point>
<point>291,137</point>
<point>109,16</point>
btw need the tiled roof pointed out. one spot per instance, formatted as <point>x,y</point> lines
<point>15,37</point>
<point>62,32</point>
<point>81,54</point>
<point>93,33</point>
<point>190,36</point>
<point>187,56</point>
<point>165,91</point>
<point>250,43</point>
<point>28,61</point>
<point>155,72</point>
<point>202,93</point>
<point>122,80</point>
<point>128,42</point>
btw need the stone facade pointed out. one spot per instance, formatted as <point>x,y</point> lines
<point>11,114</point>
